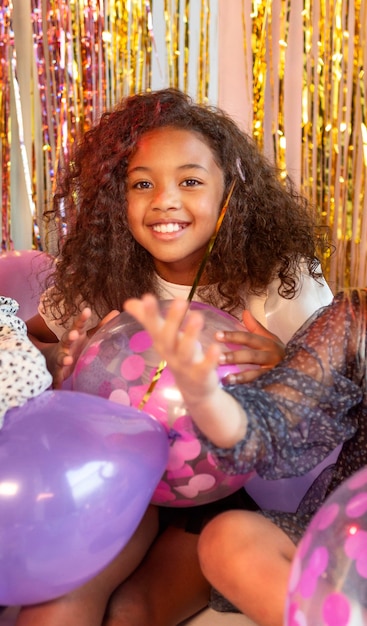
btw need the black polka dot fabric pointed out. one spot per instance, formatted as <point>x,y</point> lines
<point>23,371</point>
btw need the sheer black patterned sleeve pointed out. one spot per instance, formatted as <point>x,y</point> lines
<point>303,408</point>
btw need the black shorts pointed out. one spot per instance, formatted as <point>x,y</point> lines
<point>194,518</point>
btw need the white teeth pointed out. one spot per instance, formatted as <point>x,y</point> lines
<point>166,228</point>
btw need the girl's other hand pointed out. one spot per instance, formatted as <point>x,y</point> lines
<point>68,349</point>
<point>72,343</point>
<point>260,348</point>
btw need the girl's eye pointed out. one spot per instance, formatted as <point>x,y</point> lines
<point>191,182</point>
<point>142,184</point>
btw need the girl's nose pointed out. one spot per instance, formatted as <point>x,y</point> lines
<point>167,199</point>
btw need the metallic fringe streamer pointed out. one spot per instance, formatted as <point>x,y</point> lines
<point>6,56</point>
<point>334,122</point>
<point>177,17</point>
<point>88,54</point>
<point>203,66</point>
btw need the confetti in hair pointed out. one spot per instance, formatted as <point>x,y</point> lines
<point>240,170</point>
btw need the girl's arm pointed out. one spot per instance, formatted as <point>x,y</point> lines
<point>219,416</point>
<point>39,332</point>
<point>299,411</point>
<point>295,414</point>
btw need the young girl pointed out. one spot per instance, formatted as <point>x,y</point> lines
<point>142,195</point>
<point>283,425</point>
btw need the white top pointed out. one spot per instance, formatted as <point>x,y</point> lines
<point>23,371</point>
<point>279,315</point>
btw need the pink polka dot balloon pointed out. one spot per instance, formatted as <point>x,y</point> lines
<point>119,364</point>
<point>328,581</point>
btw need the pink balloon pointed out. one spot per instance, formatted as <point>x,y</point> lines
<point>126,360</point>
<point>328,579</point>
<point>21,276</point>
<point>76,475</point>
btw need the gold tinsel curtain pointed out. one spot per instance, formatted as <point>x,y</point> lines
<point>68,63</point>
<point>309,82</point>
<point>302,87</point>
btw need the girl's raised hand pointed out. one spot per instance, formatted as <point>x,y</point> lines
<point>260,348</point>
<point>195,372</point>
<point>216,413</point>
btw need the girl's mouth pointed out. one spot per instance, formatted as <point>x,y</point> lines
<point>171,227</point>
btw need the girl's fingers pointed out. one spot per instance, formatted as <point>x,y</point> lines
<point>250,340</point>
<point>145,311</point>
<point>188,339</point>
<point>107,318</point>
<point>171,335</point>
<point>69,338</point>
<point>177,334</point>
<point>254,357</point>
<point>254,349</point>
<point>80,320</point>
<point>247,376</point>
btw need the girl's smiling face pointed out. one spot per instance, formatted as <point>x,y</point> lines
<point>174,192</point>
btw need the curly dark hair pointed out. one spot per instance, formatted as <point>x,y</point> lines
<point>267,229</point>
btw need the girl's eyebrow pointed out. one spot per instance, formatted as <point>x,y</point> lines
<point>190,166</point>
<point>186,166</point>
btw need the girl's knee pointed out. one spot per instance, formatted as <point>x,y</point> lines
<point>212,546</point>
<point>224,535</point>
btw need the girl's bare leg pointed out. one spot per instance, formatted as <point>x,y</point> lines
<point>247,559</point>
<point>86,605</point>
<point>167,588</point>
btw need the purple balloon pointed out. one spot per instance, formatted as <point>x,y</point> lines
<point>76,475</point>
